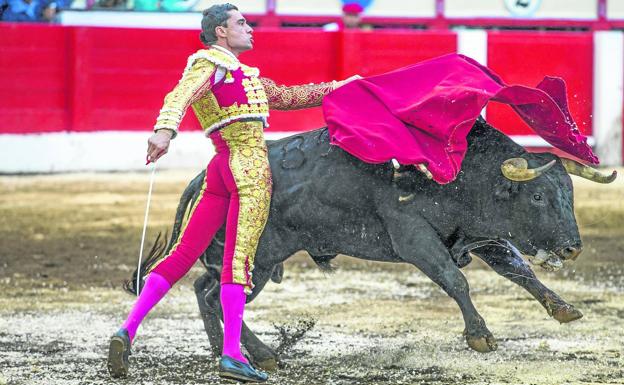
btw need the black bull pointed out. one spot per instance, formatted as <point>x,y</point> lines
<point>327,202</point>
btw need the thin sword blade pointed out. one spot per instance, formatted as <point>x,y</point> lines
<point>149,199</point>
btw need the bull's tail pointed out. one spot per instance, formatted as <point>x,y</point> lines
<point>162,247</point>
<point>155,254</point>
<point>323,262</point>
<point>188,198</point>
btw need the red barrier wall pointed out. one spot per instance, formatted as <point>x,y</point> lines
<point>55,78</point>
<point>526,57</point>
<point>303,56</point>
<point>34,78</point>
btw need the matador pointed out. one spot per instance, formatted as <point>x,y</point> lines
<point>232,102</point>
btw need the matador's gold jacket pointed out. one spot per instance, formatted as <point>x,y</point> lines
<point>221,90</point>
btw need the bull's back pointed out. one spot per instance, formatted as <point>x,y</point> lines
<point>324,198</point>
<point>307,167</point>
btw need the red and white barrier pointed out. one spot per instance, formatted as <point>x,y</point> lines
<point>608,97</point>
<point>85,98</point>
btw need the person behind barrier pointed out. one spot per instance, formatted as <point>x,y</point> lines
<point>351,19</point>
<point>32,10</point>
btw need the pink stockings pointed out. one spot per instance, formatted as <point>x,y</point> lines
<point>155,288</point>
<point>232,302</point>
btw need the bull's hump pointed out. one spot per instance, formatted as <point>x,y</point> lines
<point>294,151</point>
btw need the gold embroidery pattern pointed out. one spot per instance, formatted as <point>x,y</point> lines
<point>255,92</point>
<point>250,71</point>
<point>295,97</point>
<point>216,56</point>
<point>249,164</point>
<point>193,85</point>
<point>212,116</point>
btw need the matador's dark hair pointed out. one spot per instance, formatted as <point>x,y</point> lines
<point>213,17</point>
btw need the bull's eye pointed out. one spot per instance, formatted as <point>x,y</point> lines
<point>537,197</point>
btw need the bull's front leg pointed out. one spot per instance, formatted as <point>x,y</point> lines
<point>514,268</point>
<point>416,242</point>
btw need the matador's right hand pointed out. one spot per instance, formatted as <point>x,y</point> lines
<point>158,145</point>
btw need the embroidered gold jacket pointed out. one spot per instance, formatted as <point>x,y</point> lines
<point>222,90</point>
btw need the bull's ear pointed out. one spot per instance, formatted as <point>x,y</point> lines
<point>503,189</point>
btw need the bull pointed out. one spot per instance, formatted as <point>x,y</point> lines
<point>505,203</point>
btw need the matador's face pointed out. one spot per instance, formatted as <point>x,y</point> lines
<point>238,34</point>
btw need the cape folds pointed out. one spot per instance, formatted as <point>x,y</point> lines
<point>422,114</point>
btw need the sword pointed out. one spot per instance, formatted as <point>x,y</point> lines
<point>149,199</point>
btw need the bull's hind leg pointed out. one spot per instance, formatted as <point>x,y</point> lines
<point>261,354</point>
<point>208,290</point>
<point>420,245</point>
<point>513,267</point>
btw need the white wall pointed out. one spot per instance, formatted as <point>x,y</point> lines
<point>608,99</point>
<point>105,151</point>
<point>615,9</point>
<point>556,9</point>
<point>100,151</point>
<point>386,8</point>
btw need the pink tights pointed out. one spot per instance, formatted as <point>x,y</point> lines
<point>155,288</point>
<point>232,302</point>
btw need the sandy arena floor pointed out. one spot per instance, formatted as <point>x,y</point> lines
<point>68,242</point>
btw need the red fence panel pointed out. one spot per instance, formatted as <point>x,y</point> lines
<point>295,57</point>
<point>34,78</point>
<point>376,52</point>
<point>55,78</point>
<point>526,57</point>
<point>130,71</point>
<point>96,79</point>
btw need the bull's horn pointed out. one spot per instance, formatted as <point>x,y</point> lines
<point>575,168</point>
<point>396,166</point>
<point>422,168</point>
<point>517,169</point>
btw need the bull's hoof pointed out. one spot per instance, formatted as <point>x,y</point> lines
<point>482,344</point>
<point>264,358</point>
<point>269,364</point>
<point>566,313</point>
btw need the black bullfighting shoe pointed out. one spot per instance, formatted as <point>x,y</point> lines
<point>240,371</point>
<point>118,352</point>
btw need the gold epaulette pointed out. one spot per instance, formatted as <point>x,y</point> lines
<point>215,56</point>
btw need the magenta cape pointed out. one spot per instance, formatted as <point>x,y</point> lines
<point>422,114</point>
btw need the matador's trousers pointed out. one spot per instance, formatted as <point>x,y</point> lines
<point>237,191</point>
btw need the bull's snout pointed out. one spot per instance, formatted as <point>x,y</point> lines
<point>571,252</point>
